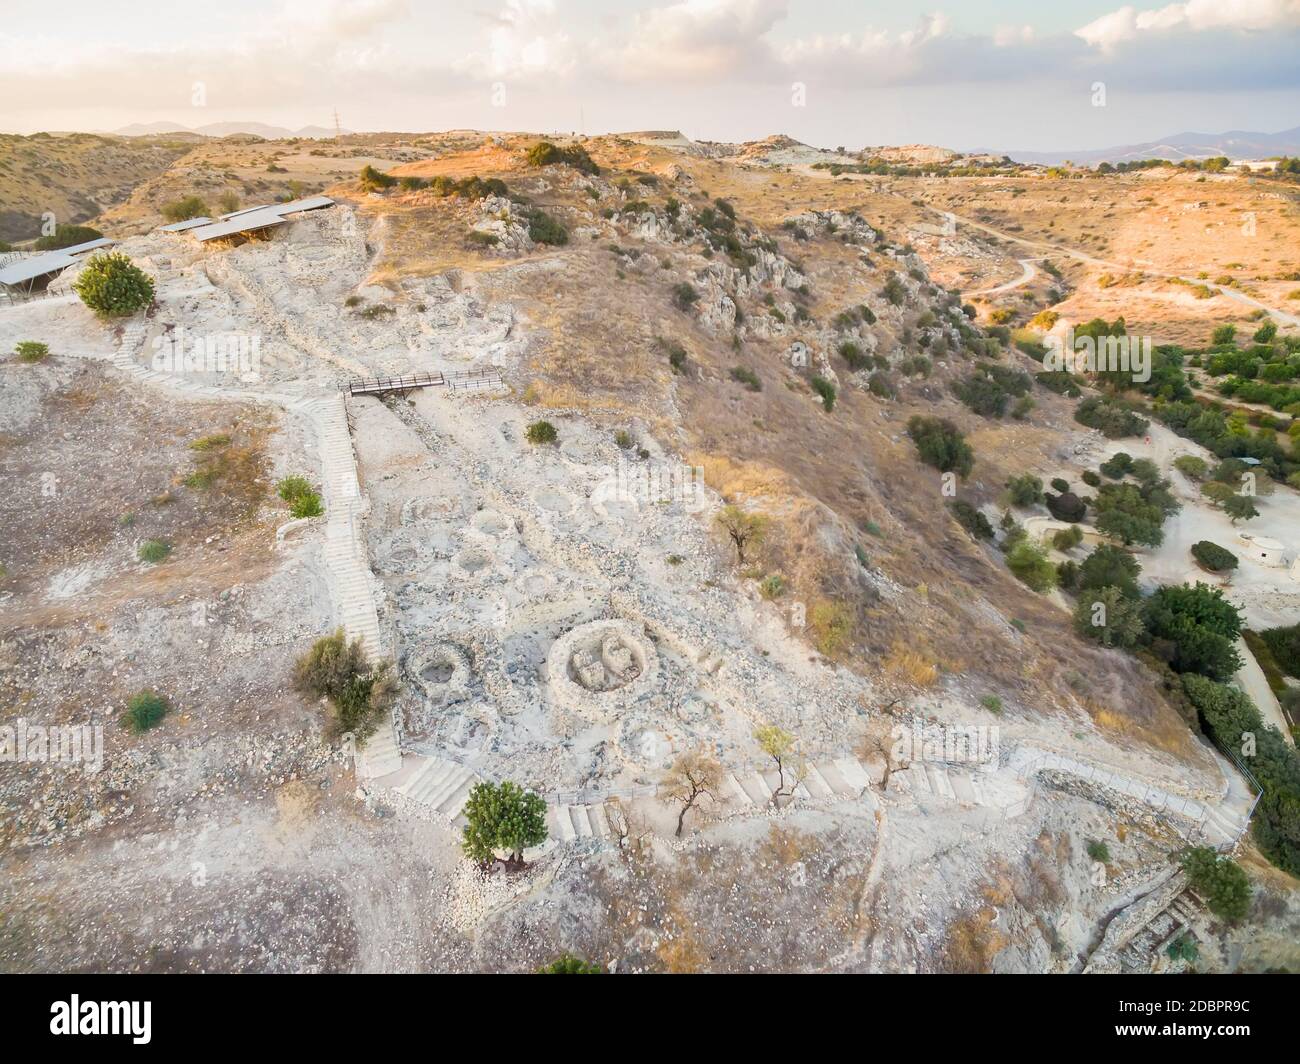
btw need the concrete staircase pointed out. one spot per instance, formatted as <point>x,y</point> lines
<point>569,823</point>
<point>347,567</point>
<point>439,785</point>
<point>347,564</point>
<point>842,777</point>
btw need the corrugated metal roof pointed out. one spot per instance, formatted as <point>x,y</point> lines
<point>89,245</point>
<point>250,221</point>
<point>180,227</point>
<point>50,262</point>
<point>311,203</point>
<point>36,266</point>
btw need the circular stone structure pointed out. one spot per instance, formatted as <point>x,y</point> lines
<point>441,672</point>
<point>600,668</point>
<point>493,523</point>
<point>472,560</point>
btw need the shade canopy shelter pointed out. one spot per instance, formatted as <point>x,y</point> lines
<point>180,227</point>
<point>256,219</point>
<point>36,271</point>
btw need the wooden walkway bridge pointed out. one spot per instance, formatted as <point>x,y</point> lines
<point>473,380</point>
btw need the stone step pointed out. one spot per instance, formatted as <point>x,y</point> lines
<point>731,786</point>
<point>962,787</point>
<point>756,787</point>
<point>432,773</point>
<point>853,773</point>
<point>834,780</point>
<point>458,780</point>
<point>562,825</point>
<point>939,782</point>
<point>817,784</point>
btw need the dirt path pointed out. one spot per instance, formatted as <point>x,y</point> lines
<point>1030,271</point>
<point>1281,315</point>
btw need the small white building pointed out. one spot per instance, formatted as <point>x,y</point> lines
<point>1262,550</point>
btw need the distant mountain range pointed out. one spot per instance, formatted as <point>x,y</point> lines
<point>223,129</point>
<point>1235,144</point>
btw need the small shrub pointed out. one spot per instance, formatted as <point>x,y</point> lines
<point>1098,851</point>
<point>831,625</point>
<point>543,229</point>
<point>307,504</point>
<point>541,432</point>
<point>992,703</point>
<point>1191,466</point>
<point>144,711</point>
<point>210,443</point>
<point>941,444</point>
<point>1066,539</point>
<point>31,351</point>
<point>684,295</point>
<point>826,390</point>
<point>1025,490</point>
<point>153,551</point>
<point>66,236</point>
<point>568,964</point>
<point>772,586</point>
<point>372,180</point>
<point>747,377</point>
<point>544,153</point>
<point>293,487</point>
<point>971,519</point>
<point>623,438</point>
<point>358,692</point>
<point>182,210</point>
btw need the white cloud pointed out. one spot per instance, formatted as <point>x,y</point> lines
<point>1127,23</point>
<point>699,39</point>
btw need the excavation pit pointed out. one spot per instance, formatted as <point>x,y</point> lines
<point>600,668</point>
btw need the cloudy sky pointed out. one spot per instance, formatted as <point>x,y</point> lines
<point>1013,74</point>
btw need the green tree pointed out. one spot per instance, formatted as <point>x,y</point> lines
<point>1240,508</point>
<point>1219,880</point>
<point>1110,617</point>
<point>1030,564</point>
<point>778,744</point>
<point>941,444</point>
<point>1196,629</point>
<point>66,236</point>
<point>1025,490</point>
<point>113,286</point>
<point>1109,566</point>
<point>1213,557</point>
<point>502,816</point>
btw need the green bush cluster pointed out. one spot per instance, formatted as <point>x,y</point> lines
<point>112,285</point>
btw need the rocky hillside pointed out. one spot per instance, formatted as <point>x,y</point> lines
<point>75,176</point>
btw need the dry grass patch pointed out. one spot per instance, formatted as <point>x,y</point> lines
<point>911,666</point>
